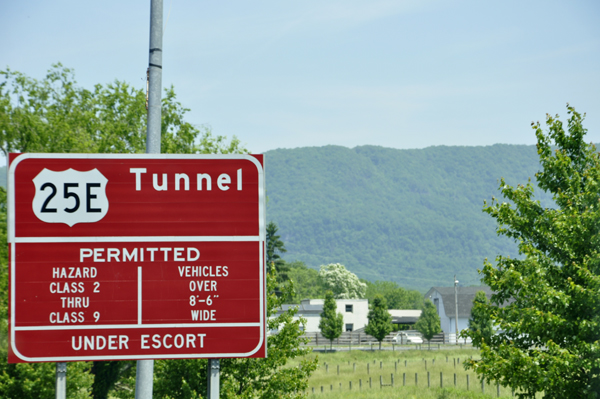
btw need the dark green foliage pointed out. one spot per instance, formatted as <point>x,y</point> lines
<point>480,322</point>
<point>380,320</point>
<point>395,296</point>
<point>408,216</point>
<point>429,322</point>
<point>180,379</point>
<point>549,326</point>
<point>307,283</point>
<point>275,247</point>
<point>105,376</point>
<point>331,322</point>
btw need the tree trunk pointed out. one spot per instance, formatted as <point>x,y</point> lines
<point>105,376</point>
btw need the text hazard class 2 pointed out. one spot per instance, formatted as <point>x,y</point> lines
<point>74,296</point>
<point>70,196</point>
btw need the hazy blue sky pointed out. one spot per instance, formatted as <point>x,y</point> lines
<point>403,74</point>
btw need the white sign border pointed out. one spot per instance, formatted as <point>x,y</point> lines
<point>261,238</point>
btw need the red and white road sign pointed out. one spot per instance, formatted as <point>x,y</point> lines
<point>136,256</point>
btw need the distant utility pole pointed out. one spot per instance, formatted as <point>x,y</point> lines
<point>145,368</point>
<point>456,306</point>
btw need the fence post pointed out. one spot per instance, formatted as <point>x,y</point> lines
<point>425,364</point>
<point>441,379</point>
<point>392,380</point>
<point>370,386</point>
<point>404,362</point>
<point>326,368</point>
<point>403,379</point>
<point>455,380</point>
<point>428,382</point>
<point>338,369</point>
<point>380,381</point>
<point>416,379</point>
<point>360,383</point>
<point>350,385</point>
<point>380,365</point>
<point>396,366</point>
<point>354,367</point>
<point>368,369</point>
<point>467,382</point>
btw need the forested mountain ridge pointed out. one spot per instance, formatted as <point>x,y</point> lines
<point>410,216</point>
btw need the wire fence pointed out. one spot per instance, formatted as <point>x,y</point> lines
<point>359,339</point>
<point>429,373</point>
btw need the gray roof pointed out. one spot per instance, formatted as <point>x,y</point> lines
<point>465,296</point>
<point>303,308</point>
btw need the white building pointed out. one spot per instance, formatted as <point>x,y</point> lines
<point>444,300</point>
<point>355,313</point>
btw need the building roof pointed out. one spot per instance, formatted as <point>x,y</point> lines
<point>405,316</point>
<point>304,308</point>
<point>465,297</point>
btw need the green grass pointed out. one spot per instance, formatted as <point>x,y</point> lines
<point>358,366</point>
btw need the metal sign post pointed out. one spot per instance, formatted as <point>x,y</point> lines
<point>145,368</point>
<point>61,380</point>
<point>213,378</point>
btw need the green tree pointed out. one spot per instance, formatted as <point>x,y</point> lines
<point>380,320</point>
<point>546,304</point>
<point>274,247</point>
<point>480,323</point>
<point>307,283</point>
<point>429,322</point>
<point>331,322</point>
<point>343,283</point>
<point>395,296</point>
<point>56,115</point>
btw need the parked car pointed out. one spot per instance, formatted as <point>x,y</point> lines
<point>408,337</point>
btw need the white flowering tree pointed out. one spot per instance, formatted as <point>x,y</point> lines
<point>343,283</point>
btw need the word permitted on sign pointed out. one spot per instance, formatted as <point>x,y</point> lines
<point>136,257</point>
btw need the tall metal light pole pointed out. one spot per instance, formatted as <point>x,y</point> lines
<point>456,307</point>
<point>145,368</point>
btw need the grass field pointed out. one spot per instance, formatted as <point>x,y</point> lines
<point>359,373</point>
